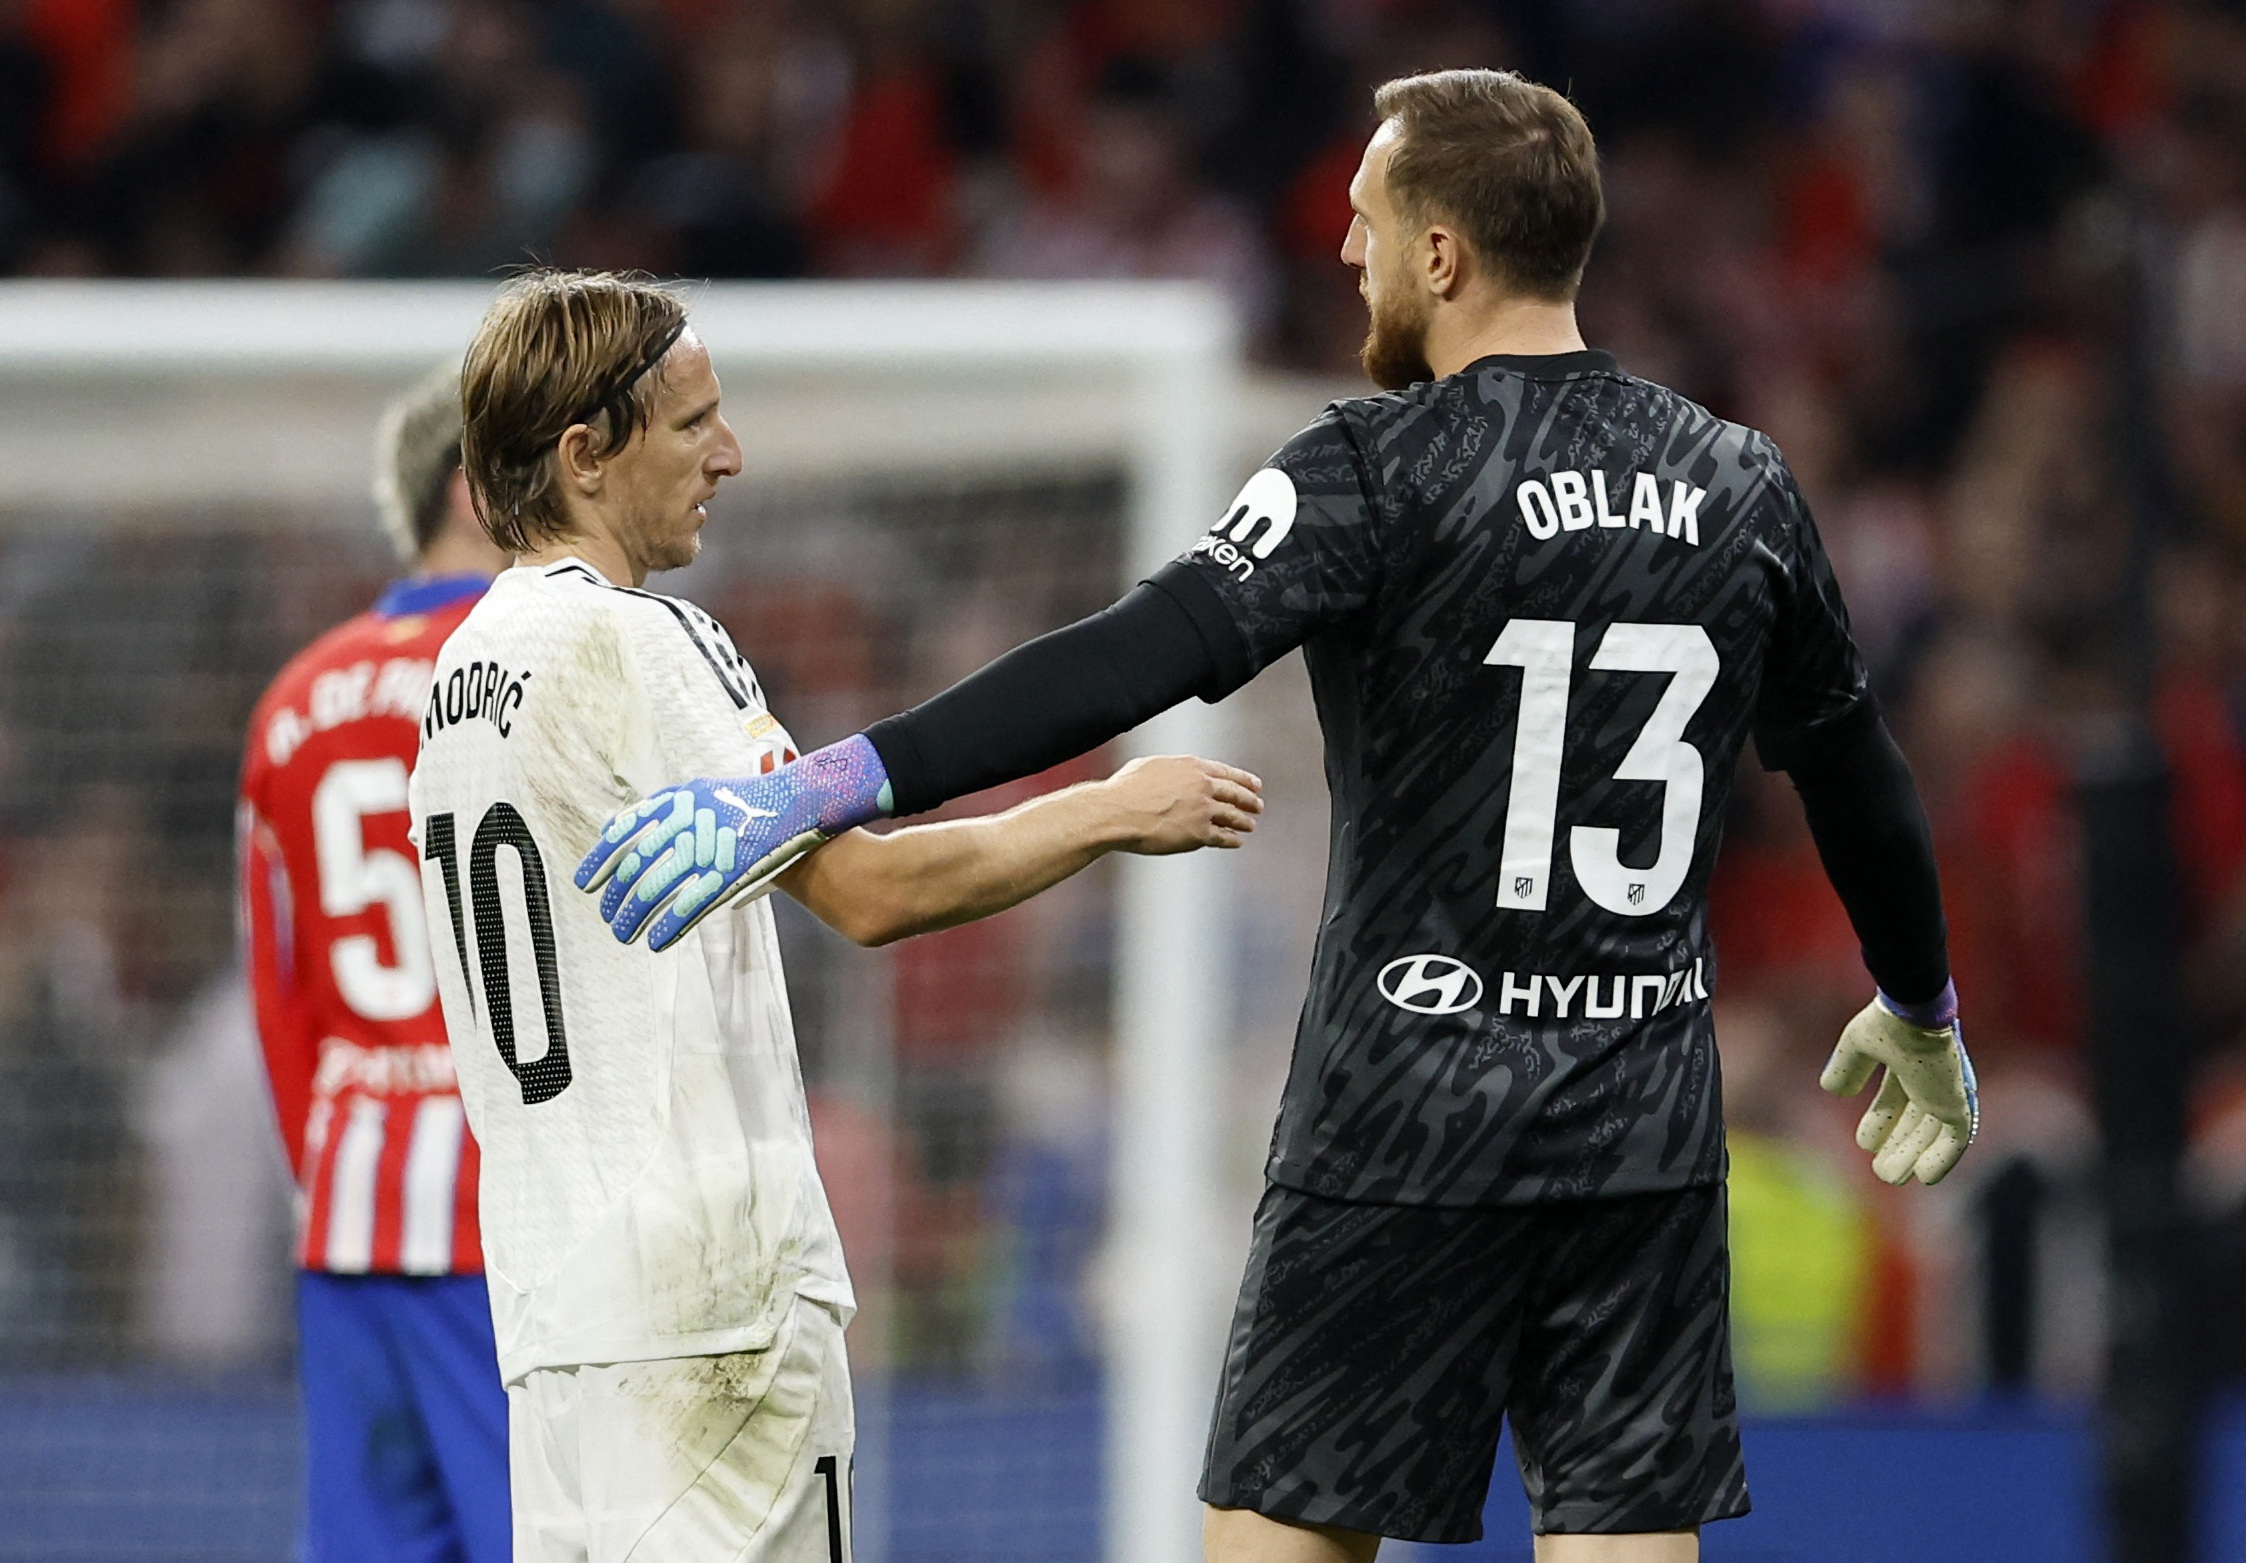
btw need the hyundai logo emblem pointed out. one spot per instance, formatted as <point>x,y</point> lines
<point>1430,984</point>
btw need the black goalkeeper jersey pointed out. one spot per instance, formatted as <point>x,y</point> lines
<point>1543,605</point>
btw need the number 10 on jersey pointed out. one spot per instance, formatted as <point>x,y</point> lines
<point>1544,651</point>
<point>502,828</point>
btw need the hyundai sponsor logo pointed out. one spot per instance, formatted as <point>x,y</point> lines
<point>1430,984</point>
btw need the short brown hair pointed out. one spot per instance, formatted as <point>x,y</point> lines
<point>556,348</point>
<point>1508,160</point>
<point>416,452</point>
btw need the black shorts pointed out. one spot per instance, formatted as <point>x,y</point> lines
<point>1377,1347</point>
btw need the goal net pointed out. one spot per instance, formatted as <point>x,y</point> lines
<point>1040,1133</point>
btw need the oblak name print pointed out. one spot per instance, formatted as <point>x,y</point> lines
<point>481,689</point>
<point>1579,502</point>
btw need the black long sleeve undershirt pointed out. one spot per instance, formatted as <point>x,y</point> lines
<point>1878,851</point>
<point>1170,640</point>
<point>1064,693</point>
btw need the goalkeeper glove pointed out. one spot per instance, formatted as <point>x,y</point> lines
<point>1929,1107</point>
<point>678,855</point>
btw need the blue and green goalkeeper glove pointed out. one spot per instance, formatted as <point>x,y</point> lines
<point>678,855</point>
<point>1929,1107</point>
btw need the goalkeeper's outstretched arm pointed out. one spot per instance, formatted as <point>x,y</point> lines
<point>670,860</point>
<point>1065,693</point>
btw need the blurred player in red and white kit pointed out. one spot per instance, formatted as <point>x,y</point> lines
<point>405,1419</point>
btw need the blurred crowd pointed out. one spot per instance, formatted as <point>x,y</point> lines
<point>1979,265</point>
<point>1865,192</point>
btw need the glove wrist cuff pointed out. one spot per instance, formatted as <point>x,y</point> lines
<point>847,784</point>
<point>1933,1015</point>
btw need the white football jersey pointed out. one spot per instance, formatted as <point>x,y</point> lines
<point>648,1188</point>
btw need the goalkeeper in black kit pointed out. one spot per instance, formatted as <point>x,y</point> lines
<point>1544,605</point>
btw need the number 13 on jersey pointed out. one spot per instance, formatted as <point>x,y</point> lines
<point>1544,651</point>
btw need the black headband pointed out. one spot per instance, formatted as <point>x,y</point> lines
<point>623,388</point>
<point>670,340</point>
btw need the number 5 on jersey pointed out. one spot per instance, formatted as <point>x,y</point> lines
<point>548,1075</point>
<point>355,878</point>
<point>1544,651</point>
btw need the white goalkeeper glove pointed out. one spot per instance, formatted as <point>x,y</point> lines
<point>1929,1107</point>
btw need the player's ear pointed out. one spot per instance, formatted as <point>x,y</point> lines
<point>577,459</point>
<point>1443,261</point>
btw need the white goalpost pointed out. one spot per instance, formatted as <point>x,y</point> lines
<point>192,397</point>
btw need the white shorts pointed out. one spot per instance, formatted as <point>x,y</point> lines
<point>735,1459</point>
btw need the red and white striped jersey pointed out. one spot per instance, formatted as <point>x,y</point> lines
<point>339,953</point>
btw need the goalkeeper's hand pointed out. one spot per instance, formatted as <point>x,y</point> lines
<point>678,855</point>
<point>1929,1107</point>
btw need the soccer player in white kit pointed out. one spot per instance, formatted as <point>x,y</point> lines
<point>667,1287</point>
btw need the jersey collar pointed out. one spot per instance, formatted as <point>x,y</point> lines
<point>1549,366</point>
<point>569,564</point>
<point>427,593</point>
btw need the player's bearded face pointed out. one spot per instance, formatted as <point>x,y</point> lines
<point>1395,350</point>
<point>1380,248</point>
<point>667,475</point>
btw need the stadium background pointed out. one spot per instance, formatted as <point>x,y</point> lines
<point>1979,267</point>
